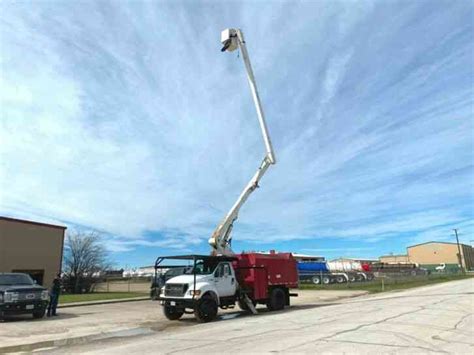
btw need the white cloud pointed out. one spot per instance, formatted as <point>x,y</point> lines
<point>120,119</point>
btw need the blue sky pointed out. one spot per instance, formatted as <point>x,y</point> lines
<point>124,117</point>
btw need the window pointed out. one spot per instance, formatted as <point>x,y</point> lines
<point>37,275</point>
<point>226,270</point>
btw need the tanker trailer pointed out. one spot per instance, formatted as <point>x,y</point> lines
<point>317,272</point>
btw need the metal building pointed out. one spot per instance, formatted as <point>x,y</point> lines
<point>432,254</point>
<point>31,247</point>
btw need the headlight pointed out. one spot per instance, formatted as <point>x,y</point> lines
<point>195,293</point>
<point>162,291</point>
<point>44,295</point>
<point>11,296</point>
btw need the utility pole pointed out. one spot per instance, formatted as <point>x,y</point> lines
<point>459,250</point>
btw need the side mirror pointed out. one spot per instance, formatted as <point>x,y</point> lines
<point>35,282</point>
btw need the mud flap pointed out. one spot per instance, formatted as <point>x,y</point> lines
<point>249,304</point>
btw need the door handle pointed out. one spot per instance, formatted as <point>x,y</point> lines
<point>232,280</point>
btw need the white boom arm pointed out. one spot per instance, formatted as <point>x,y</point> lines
<point>220,240</point>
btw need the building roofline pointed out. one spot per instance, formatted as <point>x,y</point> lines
<point>436,242</point>
<point>9,219</point>
<point>388,255</point>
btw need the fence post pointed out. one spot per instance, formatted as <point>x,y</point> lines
<point>108,288</point>
<point>383,284</point>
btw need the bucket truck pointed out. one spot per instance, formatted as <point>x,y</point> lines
<point>223,278</point>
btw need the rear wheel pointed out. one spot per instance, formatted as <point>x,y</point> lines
<point>277,300</point>
<point>206,309</point>
<point>316,280</point>
<point>326,280</point>
<point>171,312</point>
<point>340,279</point>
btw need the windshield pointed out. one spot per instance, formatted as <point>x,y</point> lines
<point>202,267</point>
<point>17,279</point>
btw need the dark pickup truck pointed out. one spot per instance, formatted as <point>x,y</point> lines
<point>20,295</point>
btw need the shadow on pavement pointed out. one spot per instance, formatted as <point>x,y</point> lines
<point>29,318</point>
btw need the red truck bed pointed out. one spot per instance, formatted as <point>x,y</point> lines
<point>259,272</point>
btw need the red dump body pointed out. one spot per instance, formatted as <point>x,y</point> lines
<point>367,267</point>
<point>260,272</point>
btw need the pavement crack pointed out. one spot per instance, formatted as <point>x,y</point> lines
<point>390,345</point>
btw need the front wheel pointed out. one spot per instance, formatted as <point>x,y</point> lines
<point>277,300</point>
<point>172,313</point>
<point>206,309</point>
<point>39,314</point>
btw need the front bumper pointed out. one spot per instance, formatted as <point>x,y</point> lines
<point>23,307</point>
<point>178,302</point>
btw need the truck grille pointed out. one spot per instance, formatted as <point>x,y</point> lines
<point>29,296</point>
<point>175,290</point>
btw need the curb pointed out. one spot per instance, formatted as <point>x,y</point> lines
<point>31,347</point>
<point>94,303</point>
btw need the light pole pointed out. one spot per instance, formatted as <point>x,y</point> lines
<point>459,250</point>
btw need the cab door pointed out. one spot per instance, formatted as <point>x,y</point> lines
<point>224,279</point>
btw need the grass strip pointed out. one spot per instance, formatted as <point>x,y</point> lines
<point>389,284</point>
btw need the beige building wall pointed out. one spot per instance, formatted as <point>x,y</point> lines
<point>437,253</point>
<point>394,259</point>
<point>31,247</point>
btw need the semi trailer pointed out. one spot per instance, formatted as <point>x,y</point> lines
<point>322,272</point>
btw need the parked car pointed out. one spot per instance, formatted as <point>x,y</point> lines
<point>19,294</point>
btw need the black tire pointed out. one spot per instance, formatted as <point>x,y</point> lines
<point>340,279</point>
<point>206,309</point>
<point>352,278</point>
<point>39,314</point>
<point>243,306</point>
<point>316,280</point>
<point>171,312</point>
<point>277,300</point>
<point>326,280</point>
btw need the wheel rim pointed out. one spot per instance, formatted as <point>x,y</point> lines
<point>316,280</point>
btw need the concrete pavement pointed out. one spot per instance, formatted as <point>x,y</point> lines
<point>106,321</point>
<point>431,319</point>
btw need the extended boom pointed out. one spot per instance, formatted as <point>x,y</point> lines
<point>220,240</point>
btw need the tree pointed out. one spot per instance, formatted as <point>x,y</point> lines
<point>84,255</point>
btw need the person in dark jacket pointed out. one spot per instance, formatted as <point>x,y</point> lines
<point>54,292</point>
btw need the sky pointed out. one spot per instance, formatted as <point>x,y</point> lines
<point>125,118</point>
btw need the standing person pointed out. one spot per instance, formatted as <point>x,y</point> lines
<point>54,296</point>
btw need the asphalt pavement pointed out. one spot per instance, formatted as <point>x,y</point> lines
<point>430,319</point>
